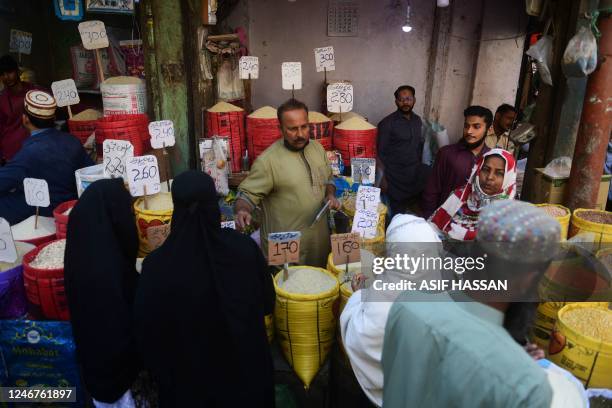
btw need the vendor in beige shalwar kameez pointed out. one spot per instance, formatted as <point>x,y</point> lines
<point>291,181</point>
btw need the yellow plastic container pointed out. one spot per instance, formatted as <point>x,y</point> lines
<point>375,245</point>
<point>305,326</point>
<point>269,321</point>
<point>579,225</point>
<point>348,207</point>
<point>564,220</point>
<point>146,219</point>
<point>589,359</point>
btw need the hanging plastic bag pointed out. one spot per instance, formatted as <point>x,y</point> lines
<point>559,167</point>
<point>215,155</point>
<point>580,56</point>
<point>541,52</point>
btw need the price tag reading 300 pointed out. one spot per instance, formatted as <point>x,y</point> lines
<point>143,171</point>
<point>284,247</point>
<point>324,59</point>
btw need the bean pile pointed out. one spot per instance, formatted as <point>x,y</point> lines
<point>554,211</point>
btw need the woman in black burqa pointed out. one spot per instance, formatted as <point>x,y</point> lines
<point>101,279</point>
<point>200,308</point>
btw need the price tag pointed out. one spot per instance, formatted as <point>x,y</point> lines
<point>115,154</point>
<point>368,198</point>
<point>143,171</point>
<point>363,171</point>
<point>228,224</point>
<point>156,235</point>
<point>20,42</point>
<point>36,192</point>
<point>292,75</point>
<point>248,66</point>
<point>65,92</point>
<point>345,245</point>
<point>8,252</point>
<point>93,34</point>
<point>324,59</point>
<point>340,97</point>
<point>365,223</point>
<point>284,247</point>
<point>162,133</point>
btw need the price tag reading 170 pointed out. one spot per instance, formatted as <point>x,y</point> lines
<point>284,247</point>
<point>36,192</point>
<point>8,252</point>
<point>93,34</point>
<point>248,67</point>
<point>365,223</point>
<point>324,59</point>
<point>65,92</point>
<point>115,154</point>
<point>143,172</point>
<point>340,97</point>
<point>162,134</point>
<point>345,248</point>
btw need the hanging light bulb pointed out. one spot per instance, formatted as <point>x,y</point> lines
<point>407,27</point>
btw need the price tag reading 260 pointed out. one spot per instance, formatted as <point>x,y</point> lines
<point>345,248</point>
<point>284,247</point>
<point>143,172</point>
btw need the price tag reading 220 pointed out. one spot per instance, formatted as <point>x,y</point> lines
<point>283,247</point>
<point>115,154</point>
<point>143,171</point>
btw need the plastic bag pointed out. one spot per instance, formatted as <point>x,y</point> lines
<point>215,155</point>
<point>559,167</point>
<point>580,56</point>
<point>541,52</point>
<point>435,136</point>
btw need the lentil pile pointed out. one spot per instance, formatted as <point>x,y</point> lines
<point>596,216</point>
<point>592,322</point>
<point>554,211</point>
<point>51,256</point>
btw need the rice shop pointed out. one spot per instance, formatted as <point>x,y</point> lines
<point>289,203</point>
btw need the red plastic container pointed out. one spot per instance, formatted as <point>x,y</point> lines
<point>323,133</point>
<point>355,143</point>
<point>82,129</point>
<point>61,220</point>
<point>39,241</point>
<point>261,133</point>
<point>45,289</point>
<point>133,128</point>
<point>231,125</point>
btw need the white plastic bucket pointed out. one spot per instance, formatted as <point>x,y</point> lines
<point>120,99</point>
<point>87,175</point>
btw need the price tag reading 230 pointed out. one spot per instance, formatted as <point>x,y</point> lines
<point>143,172</point>
<point>284,247</point>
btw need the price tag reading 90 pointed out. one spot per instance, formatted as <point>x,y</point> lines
<point>340,97</point>
<point>365,223</point>
<point>284,247</point>
<point>292,75</point>
<point>8,252</point>
<point>324,59</point>
<point>93,34</point>
<point>345,248</point>
<point>115,154</point>
<point>65,92</point>
<point>249,67</point>
<point>162,134</point>
<point>143,172</point>
<point>36,192</point>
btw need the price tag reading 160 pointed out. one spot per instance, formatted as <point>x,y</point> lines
<point>345,248</point>
<point>283,247</point>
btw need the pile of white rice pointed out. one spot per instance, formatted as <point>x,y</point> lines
<point>68,211</point>
<point>267,112</point>
<point>87,115</point>
<point>51,256</point>
<point>158,202</point>
<point>25,231</point>
<point>355,124</point>
<point>307,281</point>
<point>225,107</point>
<point>317,117</point>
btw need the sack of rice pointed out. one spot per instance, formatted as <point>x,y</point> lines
<point>355,138</point>
<point>123,95</point>
<point>266,112</point>
<point>158,213</point>
<point>87,175</point>
<point>321,129</point>
<point>25,231</point>
<point>339,118</point>
<point>224,107</point>
<point>304,318</point>
<point>13,301</point>
<point>355,123</point>
<point>262,130</point>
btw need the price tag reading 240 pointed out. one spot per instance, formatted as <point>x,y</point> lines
<point>284,247</point>
<point>368,198</point>
<point>115,154</point>
<point>346,246</point>
<point>8,252</point>
<point>340,97</point>
<point>248,67</point>
<point>65,92</point>
<point>143,171</point>
<point>162,134</point>
<point>365,223</point>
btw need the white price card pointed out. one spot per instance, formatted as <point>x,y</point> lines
<point>340,97</point>
<point>93,34</point>
<point>365,223</point>
<point>115,154</point>
<point>292,75</point>
<point>363,171</point>
<point>8,252</point>
<point>65,92</point>
<point>20,42</point>
<point>284,247</point>
<point>228,224</point>
<point>249,67</point>
<point>143,171</point>
<point>368,198</point>
<point>162,134</point>
<point>36,192</point>
<point>324,59</point>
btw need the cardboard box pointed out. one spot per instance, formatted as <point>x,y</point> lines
<point>551,190</point>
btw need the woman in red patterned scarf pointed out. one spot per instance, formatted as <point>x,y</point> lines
<point>493,178</point>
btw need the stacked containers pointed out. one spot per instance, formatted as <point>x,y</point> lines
<point>263,130</point>
<point>133,128</point>
<point>83,124</point>
<point>355,138</point>
<point>321,129</point>
<point>225,119</point>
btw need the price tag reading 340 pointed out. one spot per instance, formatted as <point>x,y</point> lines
<point>65,92</point>
<point>8,252</point>
<point>284,247</point>
<point>365,223</point>
<point>162,134</point>
<point>363,171</point>
<point>345,246</point>
<point>93,34</point>
<point>248,67</point>
<point>292,75</point>
<point>340,97</point>
<point>143,171</point>
<point>115,154</point>
<point>36,192</point>
<point>20,42</point>
<point>324,59</point>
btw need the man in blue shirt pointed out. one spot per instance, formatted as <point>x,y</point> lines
<point>46,154</point>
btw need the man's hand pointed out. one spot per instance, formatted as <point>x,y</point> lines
<point>242,218</point>
<point>334,204</point>
<point>534,351</point>
<point>358,281</point>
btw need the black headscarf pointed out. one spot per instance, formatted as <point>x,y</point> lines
<point>200,308</point>
<point>100,279</point>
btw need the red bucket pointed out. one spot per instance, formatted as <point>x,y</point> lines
<point>82,129</point>
<point>45,289</point>
<point>231,125</point>
<point>61,219</point>
<point>322,132</point>
<point>355,143</point>
<point>261,133</point>
<point>133,128</point>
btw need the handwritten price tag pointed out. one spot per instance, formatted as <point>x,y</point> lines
<point>65,92</point>
<point>248,66</point>
<point>340,97</point>
<point>162,134</point>
<point>20,42</point>
<point>284,247</point>
<point>93,34</point>
<point>143,171</point>
<point>115,154</point>
<point>345,246</point>
<point>36,192</point>
<point>365,223</point>
<point>228,224</point>
<point>156,235</point>
<point>368,198</point>
<point>363,171</point>
<point>292,75</point>
<point>8,252</point>
<point>324,59</point>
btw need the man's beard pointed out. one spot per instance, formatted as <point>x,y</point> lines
<point>474,145</point>
<point>293,148</point>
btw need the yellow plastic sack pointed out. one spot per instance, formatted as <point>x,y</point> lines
<point>348,207</point>
<point>269,320</point>
<point>146,219</point>
<point>564,220</point>
<point>305,327</point>
<point>581,225</point>
<point>375,245</point>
